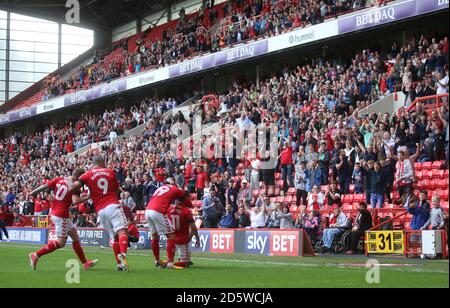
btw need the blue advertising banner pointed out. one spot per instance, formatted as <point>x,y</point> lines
<point>205,239</point>
<point>28,235</point>
<point>257,242</point>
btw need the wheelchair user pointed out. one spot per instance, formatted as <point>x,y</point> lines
<point>339,223</point>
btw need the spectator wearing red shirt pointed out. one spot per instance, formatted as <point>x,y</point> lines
<point>287,169</point>
<point>38,206</point>
<point>200,182</point>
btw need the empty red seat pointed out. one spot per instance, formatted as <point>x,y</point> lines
<point>427,175</point>
<point>440,184</point>
<point>438,174</point>
<point>437,165</point>
<point>359,198</point>
<point>347,207</point>
<point>347,199</point>
<point>427,166</point>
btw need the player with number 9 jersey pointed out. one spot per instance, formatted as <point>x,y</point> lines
<point>164,197</point>
<point>103,186</point>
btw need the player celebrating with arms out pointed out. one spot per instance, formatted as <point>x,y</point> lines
<point>63,200</point>
<point>183,222</point>
<point>159,224</point>
<point>103,186</point>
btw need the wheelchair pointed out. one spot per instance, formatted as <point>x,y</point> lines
<point>340,243</point>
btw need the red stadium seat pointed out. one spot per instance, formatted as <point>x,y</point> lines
<point>347,199</point>
<point>438,174</point>
<point>359,198</point>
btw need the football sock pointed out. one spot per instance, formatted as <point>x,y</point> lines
<point>49,248</point>
<point>170,250</point>
<point>123,243</point>
<point>116,249</point>
<point>79,251</point>
<point>155,249</point>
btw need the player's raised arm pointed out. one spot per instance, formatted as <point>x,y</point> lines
<point>38,190</point>
<point>73,182</point>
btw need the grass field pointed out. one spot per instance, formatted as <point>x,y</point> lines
<point>213,271</point>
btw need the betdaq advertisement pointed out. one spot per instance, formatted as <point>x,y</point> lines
<point>390,13</point>
<point>28,235</point>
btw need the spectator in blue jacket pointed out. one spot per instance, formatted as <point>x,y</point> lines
<point>228,220</point>
<point>420,209</point>
<point>314,174</point>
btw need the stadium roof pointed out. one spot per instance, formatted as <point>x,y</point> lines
<point>95,14</point>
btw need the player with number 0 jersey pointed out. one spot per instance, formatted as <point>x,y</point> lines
<point>62,201</point>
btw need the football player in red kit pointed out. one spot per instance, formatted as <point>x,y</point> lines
<point>133,236</point>
<point>103,186</point>
<point>62,201</point>
<point>159,224</point>
<point>185,229</point>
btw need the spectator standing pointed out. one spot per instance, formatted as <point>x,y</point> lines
<point>212,210</point>
<point>363,223</point>
<point>436,221</point>
<point>420,209</point>
<point>228,220</point>
<point>378,181</point>
<point>404,176</point>
<point>286,219</point>
<point>300,184</point>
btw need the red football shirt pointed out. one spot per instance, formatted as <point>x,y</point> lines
<point>62,197</point>
<point>38,205</point>
<point>181,218</point>
<point>103,186</point>
<point>164,197</point>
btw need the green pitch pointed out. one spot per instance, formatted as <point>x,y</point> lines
<point>227,271</point>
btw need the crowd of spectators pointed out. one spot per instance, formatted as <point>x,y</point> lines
<point>329,143</point>
<point>241,21</point>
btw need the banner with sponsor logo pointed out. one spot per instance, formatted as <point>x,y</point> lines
<point>28,235</point>
<point>205,236</point>
<point>222,241</point>
<point>96,92</point>
<point>430,5</point>
<point>192,66</point>
<point>50,105</point>
<point>4,119</point>
<point>389,13</point>
<point>241,53</point>
<point>143,79</point>
<point>257,242</point>
<point>88,237</point>
<point>364,19</point>
<point>303,36</point>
